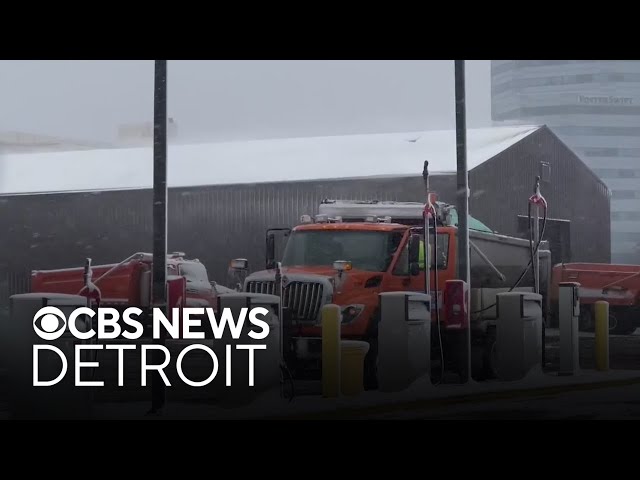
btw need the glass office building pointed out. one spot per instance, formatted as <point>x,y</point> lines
<point>594,107</point>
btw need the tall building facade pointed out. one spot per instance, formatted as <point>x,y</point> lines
<point>594,107</point>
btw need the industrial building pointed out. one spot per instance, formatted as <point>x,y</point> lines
<point>593,106</point>
<point>59,208</point>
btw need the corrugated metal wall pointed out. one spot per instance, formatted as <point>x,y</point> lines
<point>214,223</point>
<point>217,223</point>
<point>500,190</point>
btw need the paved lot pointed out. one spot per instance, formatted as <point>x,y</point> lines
<point>615,403</point>
<point>624,350</point>
<point>620,402</point>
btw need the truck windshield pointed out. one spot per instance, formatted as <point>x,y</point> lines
<point>194,272</point>
<point>366,250</point>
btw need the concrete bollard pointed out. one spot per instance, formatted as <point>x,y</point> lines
<point>568,315</point>
<point>331,352</point>
<point>602,336</point>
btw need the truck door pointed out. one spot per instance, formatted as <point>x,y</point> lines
<point>401,280</point>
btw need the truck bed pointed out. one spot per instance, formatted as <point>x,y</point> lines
<point>509,256</point>
<point>617,284</point>
<point>120,287</point>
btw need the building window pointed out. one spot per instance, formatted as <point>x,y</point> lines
<point>610,152</point>
<point>626,236</point>
<point>601,152</point>
<point>545,171</point>
<point>497,88</point>
<point>625,194</point>
<point>531,82</point>
<point>616,172</point>
<point>497,69</point>
<point>580,110</point>
<point>625,216</point>
<point>601,131</point>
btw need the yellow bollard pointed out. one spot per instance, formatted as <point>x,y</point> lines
<point>331,320</point>
<point>352,366</point>
<point>602,336</point>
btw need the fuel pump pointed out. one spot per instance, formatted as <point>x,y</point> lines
<point>569,313</point>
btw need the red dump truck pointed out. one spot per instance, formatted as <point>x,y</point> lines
<point>128,283</point>
<point>617,284</point>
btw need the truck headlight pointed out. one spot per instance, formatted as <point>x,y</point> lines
<point>351,312</point>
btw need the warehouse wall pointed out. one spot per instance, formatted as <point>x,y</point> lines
<point>217,223</point>
<point>213,223</point>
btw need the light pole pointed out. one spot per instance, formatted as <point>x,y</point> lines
<point>158,389</point>
<point>463,207</point>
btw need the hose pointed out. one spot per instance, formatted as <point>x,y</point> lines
<point>531,260</point>
<point>284,369</point>
<point>435,270</point>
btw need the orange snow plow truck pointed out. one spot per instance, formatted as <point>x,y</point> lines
<point>354,250</point>
<point>617,284</point>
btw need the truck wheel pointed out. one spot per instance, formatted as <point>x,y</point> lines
<point>371,365</point>
<point>370,375</point>
<point>623,325</point>
<point>489,358</point>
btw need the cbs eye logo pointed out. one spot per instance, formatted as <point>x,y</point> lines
<point>52,323</point>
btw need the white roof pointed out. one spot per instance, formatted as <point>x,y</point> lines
<point>256,161</point>
<point>21,142</point>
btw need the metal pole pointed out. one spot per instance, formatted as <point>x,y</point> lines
<point>536,270</point>
<point>462,201</point>
<point>536,239</point>
<point>158,389</point>
<point>427,259</point>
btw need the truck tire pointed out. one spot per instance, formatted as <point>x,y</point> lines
<point>489,360</point>
<point>624,324</point>
<point>371,365</point>
<point>370,375</point>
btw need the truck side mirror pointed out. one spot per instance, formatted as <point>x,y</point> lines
<point>414,254</point>
<point>271,252</point>
<point>238,270</point>
<point>239,264</point>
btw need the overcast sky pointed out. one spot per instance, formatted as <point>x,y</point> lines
<point>235,100</point>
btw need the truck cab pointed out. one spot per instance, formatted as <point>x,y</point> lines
<point>348,264</point>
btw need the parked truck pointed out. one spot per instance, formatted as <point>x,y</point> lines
<point>129,282</point>
<point>617,284</point>
<point>354,250</point>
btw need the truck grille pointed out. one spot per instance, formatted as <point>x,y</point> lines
<point>303,299</point>
<point>261,287</point>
